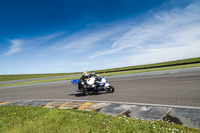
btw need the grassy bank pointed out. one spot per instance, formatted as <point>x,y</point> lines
<point>107,74</point>
<point>37,119</point>
<point>152,69</point>
<point>32,76</point>
<point>153,65</point>
<point>41,81</point>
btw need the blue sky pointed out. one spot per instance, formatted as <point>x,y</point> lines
<point>47,36</point>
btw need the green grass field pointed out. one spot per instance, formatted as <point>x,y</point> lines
<point>106,74</point>
<point>26,119</point>
<point>41,81</point>
<point>32,76</point>
<point>151,69</point>
<point>151,65</point>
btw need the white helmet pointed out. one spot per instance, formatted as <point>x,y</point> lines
<point>85,73</point>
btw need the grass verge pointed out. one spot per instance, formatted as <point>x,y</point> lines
<point>41,81</point>
<point>107,74</point>
<point>32,76</point>
<point>152,69</point>
<point>153,65</point>
<point>37,119</point>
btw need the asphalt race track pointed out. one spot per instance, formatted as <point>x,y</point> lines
<point>167,87</point>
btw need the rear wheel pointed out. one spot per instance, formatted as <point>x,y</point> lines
<point>85,92</point>
<point>111,89</point>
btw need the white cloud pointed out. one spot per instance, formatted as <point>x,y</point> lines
<point>101,53</point>
<point>15,47</point>
<point>81,63</point>
<point>85,41</point>
<point>18,45</point>
<point>164,31</point>
<point>162,36</point>
<point>156,55</point>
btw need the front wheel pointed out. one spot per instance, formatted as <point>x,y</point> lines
<point>85,92</point>
<point>111,89</point>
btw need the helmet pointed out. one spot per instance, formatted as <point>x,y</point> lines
<point>85,73</point>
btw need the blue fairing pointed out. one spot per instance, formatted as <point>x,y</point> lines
<point>75,81</point>
<point>102,84</point>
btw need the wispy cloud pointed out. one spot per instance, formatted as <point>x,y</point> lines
<point>156,55</point>
<point>81,63</point>
<point>15,47</point>
<point>165,35</point>
<point>19,45</point>
<point>157,36</point>
<point>163,30</point>
<point>86,40</point>
<point>101,53</point>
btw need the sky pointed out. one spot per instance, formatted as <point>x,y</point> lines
<point>48,36</point>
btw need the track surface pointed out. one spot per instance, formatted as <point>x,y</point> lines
<point>181,88</point>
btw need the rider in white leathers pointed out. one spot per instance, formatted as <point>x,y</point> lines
<point>82,82</point>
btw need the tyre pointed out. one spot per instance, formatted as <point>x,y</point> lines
<point>111,89</point>
<point>85,93</point>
